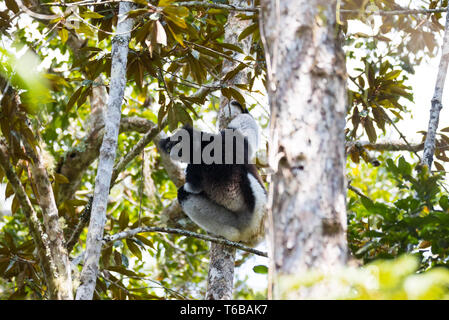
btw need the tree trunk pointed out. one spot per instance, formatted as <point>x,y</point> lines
<point>220,280</point>
<point>306,87</point>
<point>107,154</point>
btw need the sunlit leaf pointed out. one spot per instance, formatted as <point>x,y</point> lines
<point>90,14</point>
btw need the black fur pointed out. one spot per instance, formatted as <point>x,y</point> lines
<point>226,185</point>
<point>166,145</point>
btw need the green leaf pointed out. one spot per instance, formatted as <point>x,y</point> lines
<point>234,71</point>
<point>12,5</point>
<point>172,119</point>
<point>91,14</point>
<point>444,202</point>
<point>134,248</point>
<point>226,93</point>
<point>123,271</point>
<point>162,111</point>
<point>379,117</point>
<point>370,131</point>
<point>178,21</point>
<point>176,36</point>
<point>231,46</point>
<point>77,202</point>
<point>439,166</point>
<point>367,203</point>
<point>392,75</point>
<point>384,67</point>
<point>15,204</point>
<point>391,166</point>
<point>63,34</point>
<point>164,3</point>
<point>145,240</point>
<point>83,96</point>
<point>248,30</point>
<point>123,220</point>
<point>182,115</point>
<point>59,178</point>
<point>177,11</point>
<point>404,167</point>
<point>9,191</point>
<point>237,96</point>
<point>370,74</point>
<point>260,269</point>
<point>73,99</point>
<point>137,12</point>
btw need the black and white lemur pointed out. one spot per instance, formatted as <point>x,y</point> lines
<point>226,197</point>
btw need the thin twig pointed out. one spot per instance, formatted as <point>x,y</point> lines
<point>218,53</point>
<point>357,191</point>
<point>132,232</point>
<point>396,12</point>
<point>84,219</point>
<point>429,145</point>
<point>136,150</point>
<point>387,146</point>
<point>193,4</point>
<point>204,4</point>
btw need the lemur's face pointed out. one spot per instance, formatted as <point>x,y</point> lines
<point>232,110</point>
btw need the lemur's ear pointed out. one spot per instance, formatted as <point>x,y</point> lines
<point>166,145</point>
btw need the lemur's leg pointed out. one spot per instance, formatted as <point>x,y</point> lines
<point>209,215</point>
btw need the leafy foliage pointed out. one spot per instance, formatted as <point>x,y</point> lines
<point>379,280</point>
<point>414,219</point>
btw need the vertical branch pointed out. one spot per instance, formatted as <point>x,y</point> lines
<point>107,154</point>
<point>429,145</point>
<point>34,225</point>
<point>53,229</point>
<point>220,280</point>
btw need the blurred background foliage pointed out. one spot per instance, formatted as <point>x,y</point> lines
<point>380,280</point>
<point>51,68</point>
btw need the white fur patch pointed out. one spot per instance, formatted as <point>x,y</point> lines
<point>260,201</point>
<point>191,189</point>
<point>249,128</point>
<point>220,221</point>
<point>211,217</point>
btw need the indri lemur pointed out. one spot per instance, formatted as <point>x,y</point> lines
<point>226,197</point>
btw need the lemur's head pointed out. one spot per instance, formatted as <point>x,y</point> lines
<point>228,113</point>
<point>236,108</point>
<point>167,145</point>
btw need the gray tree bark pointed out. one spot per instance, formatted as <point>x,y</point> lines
<point>107,154</point>
<point>53,228</point>
<point>41,241</point>
<point>220,279</point>
<point>429,144</point>
<point>306,87</point>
